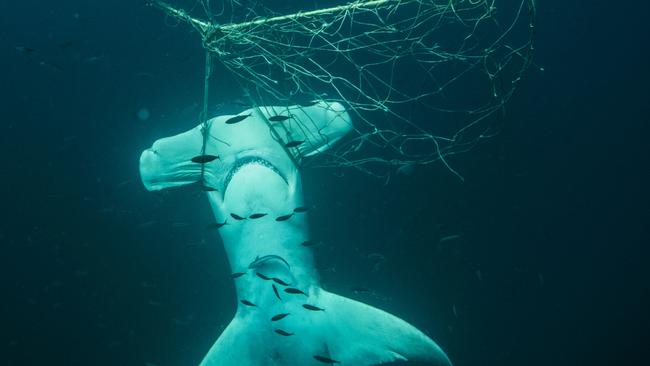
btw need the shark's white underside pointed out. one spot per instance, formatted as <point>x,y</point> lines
<point>255,174</point>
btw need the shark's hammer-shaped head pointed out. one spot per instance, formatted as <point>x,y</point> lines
<point>278,137</point>
<point>258,147</point>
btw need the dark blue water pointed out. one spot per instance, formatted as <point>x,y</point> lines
<point>550,265</point>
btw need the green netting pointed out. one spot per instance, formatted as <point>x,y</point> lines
<point>423,79</point>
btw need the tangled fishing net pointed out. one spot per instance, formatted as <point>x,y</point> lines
<point>422,79</point>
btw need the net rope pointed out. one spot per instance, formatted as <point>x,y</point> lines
<point>422,79</point>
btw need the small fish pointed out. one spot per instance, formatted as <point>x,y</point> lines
<point>123,183</point>
<point>259,261</point>
<point>283,217</point>
<point>237,274</point>
<point>359,289</point>
<point>279,118</point>
<point>25,50</point>
<point>291,290</point>
<point>279,281</point>
<point>91,59</point>
<point>237,217</point>
<point>309,103</point>
<point>257,215</point>
<point>217,225</point>
<point>247,303</point>
<point>449,237</point>
<point>50,65</point>
<point>294,143</point>
<point>324,359</point>
<point>207,188</point>
<point>275,318</point>
<point>309,243</point>
<point>312,307</point>
<point>275,289</point>
<point>147,224</point>
<point>283,333</point>
<point>202,159</point>
<point>301,209</point>
<point>236,119</point>
<point>265,278</point>
<point>377,257</point>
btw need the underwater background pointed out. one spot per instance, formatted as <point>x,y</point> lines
<point>539,257</point>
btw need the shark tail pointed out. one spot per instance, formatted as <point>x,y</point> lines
<point>347,332</point>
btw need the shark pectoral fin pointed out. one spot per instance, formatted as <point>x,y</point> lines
<point>360,335</point>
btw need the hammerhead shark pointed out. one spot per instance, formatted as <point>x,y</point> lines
<point>248,165</point>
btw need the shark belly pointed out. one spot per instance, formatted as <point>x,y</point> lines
<point>283,316</point>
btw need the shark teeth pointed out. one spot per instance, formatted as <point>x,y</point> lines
<point>250,160</point>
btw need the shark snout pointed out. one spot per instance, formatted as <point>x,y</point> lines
<point>168,163</point>
<point>157,172</point>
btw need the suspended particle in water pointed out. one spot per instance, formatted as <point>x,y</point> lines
<point>143,114</point>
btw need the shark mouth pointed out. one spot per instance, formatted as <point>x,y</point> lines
<point>239,164</point>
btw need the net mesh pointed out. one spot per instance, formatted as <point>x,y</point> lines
<point>423,79</point>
